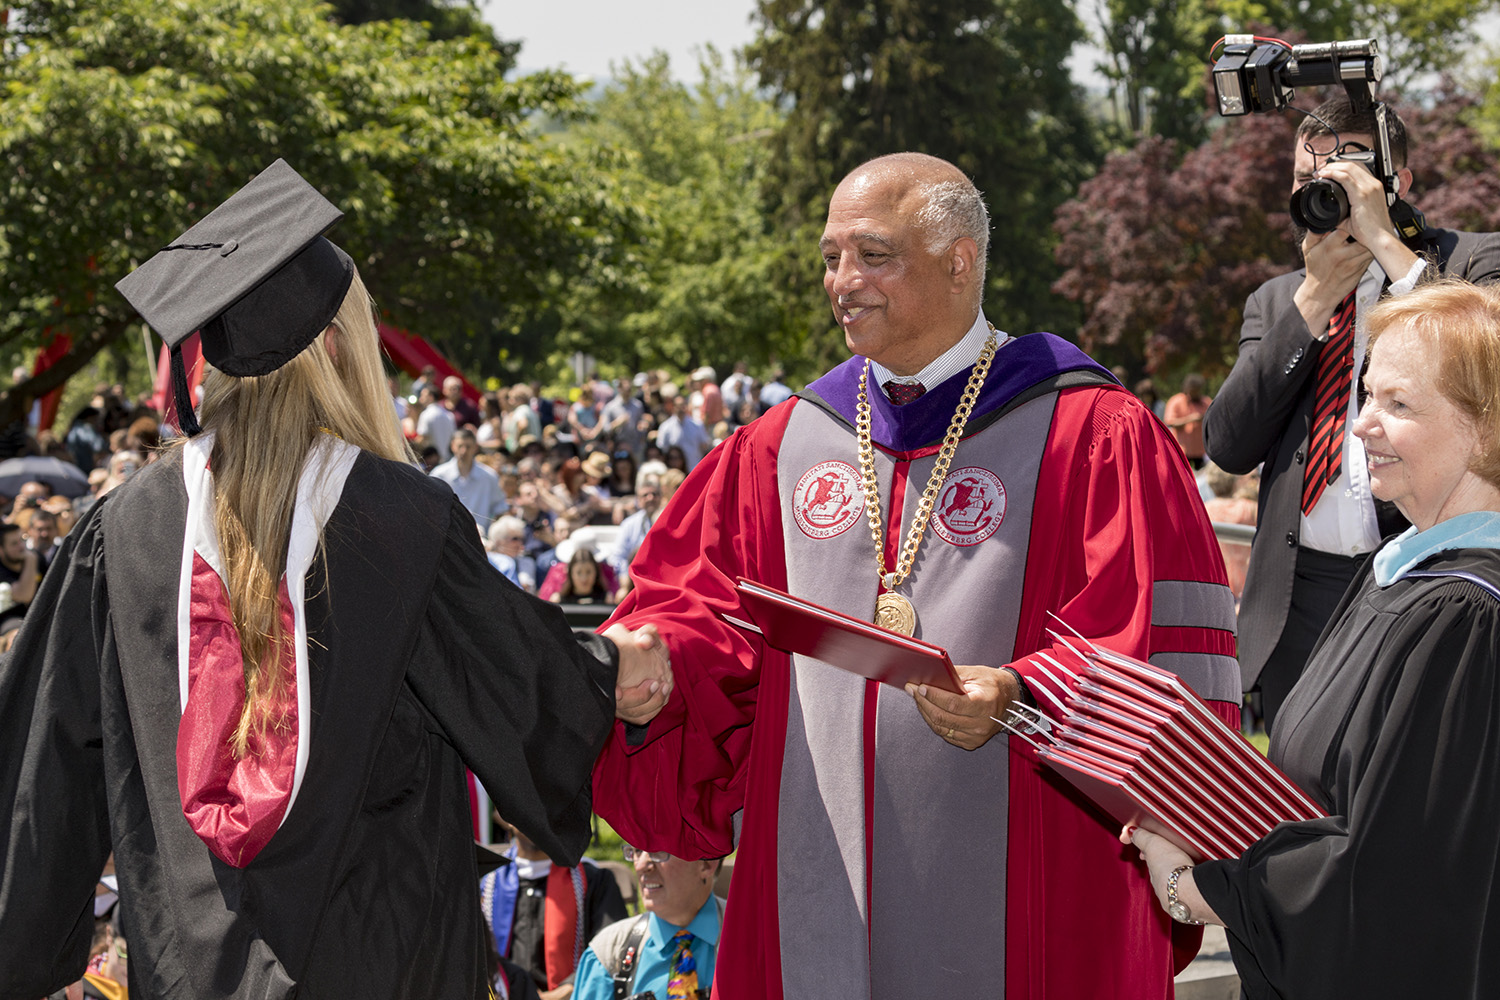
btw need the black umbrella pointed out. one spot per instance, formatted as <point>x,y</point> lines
<point>61,477</point>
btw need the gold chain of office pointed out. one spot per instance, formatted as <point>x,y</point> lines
<point>893,611</point>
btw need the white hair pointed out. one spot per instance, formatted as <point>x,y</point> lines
<point>650,475</point>
<point>950,211</point>
<point>505,524</point>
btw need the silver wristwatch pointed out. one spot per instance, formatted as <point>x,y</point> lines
<point>1176,908</point>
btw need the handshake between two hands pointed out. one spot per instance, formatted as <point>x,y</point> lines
<point>644,682</point>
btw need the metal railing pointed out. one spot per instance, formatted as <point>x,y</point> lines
<point>1234,532</point>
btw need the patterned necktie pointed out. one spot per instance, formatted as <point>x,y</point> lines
<point>1325,452</point>
<point>902,393</point>
<point>683,981</point>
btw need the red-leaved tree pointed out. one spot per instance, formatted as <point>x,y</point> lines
<point>1161,249</point>
<point>1456,177</point>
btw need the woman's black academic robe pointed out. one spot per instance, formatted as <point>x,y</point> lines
<point>422,658</point>
<point>1395,729</point>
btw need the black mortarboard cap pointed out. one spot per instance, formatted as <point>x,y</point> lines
<point>255,276</point>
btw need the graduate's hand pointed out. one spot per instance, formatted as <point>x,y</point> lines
<point>644,682</point>
<point>1161,857</point>
<point>967,720</point>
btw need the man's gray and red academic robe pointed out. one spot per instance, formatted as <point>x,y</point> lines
<point>875,860</point>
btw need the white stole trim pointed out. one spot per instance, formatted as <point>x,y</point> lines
<point>324,473</point>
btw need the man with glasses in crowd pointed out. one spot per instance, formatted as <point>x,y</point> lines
<point>633,529</point>
<point>667,950</point>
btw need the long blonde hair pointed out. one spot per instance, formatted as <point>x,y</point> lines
<point>265,428</point>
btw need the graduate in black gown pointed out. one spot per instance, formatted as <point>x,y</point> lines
<point>257,671</point>
<point>1395,725</point>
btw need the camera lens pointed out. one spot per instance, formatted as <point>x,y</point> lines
<point>1319,206</point>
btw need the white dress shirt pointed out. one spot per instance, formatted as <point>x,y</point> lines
<point>960,357</point>
<point>479,491</point>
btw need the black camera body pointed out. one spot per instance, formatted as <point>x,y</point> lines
<point>1255,75</point>
<point>1320,205</point>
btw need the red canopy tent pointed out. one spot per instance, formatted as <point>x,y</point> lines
<point>46,358</point>
<point>412,352</point>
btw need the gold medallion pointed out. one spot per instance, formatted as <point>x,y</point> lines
<point>894,612</point>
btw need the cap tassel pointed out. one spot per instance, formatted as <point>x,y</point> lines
<point>187,419</point>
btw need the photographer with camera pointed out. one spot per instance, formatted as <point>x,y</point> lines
<point>1293,395</point>
<point>667,951</point>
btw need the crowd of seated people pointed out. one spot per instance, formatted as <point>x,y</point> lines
<point>578,478</point>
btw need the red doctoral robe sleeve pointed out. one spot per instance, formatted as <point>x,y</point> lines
<point>681,787</point>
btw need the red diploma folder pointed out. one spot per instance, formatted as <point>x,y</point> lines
<point>797,626</point>
<point>1145,748</point>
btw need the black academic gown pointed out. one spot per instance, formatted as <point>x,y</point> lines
<point>422,658</point>
<point>1395,729</point>
<point>602,905</point>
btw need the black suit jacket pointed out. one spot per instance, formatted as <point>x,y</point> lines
<point>1263,414</point>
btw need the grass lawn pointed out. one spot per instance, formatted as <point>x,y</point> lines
<point>607,844</point>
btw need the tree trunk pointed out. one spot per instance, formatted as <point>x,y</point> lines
<point>15,401</point>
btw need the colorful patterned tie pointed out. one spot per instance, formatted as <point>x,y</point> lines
<point>1325,451</point>
<point>902,393</point>
<point>683,984</point>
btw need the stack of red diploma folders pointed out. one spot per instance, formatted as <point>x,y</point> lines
<point>1139,743</point>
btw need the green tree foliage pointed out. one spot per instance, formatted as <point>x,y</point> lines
<point>1485,116</point>
<point>1162,248</point>
<point>703,287</point>
<point>1418,37</point>
<point>1156,64</point>
<point>444,18</point>
<point>124,121</point>
<point>981,83</point>
<point>1455,168</point>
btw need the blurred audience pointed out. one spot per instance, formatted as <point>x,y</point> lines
<point>1184,417</point>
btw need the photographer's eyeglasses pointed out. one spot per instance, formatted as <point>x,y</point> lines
<point>657,857</point>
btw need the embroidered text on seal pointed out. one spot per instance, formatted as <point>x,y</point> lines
<point>970,506</point>
<point>827,500</point>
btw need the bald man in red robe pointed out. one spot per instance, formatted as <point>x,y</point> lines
<point>894,844</point>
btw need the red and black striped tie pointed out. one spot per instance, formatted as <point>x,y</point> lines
<point>1325,452</point>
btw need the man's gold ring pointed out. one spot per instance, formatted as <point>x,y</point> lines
<point>950,732</point>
